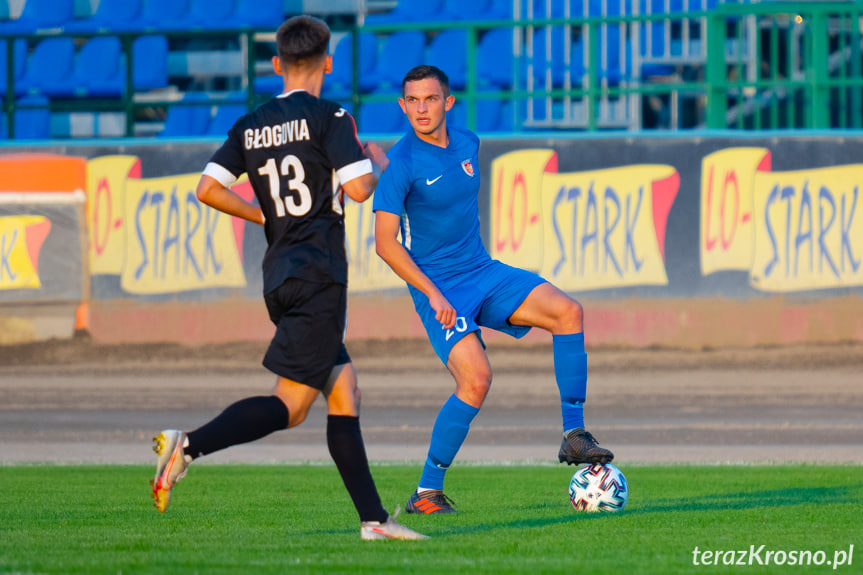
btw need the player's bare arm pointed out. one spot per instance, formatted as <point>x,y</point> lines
<point>397,257</point>
<point>377,155</point>
<point>211,192</point>
<point>360,188</point>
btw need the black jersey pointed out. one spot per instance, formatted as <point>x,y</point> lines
<point>296,149</point>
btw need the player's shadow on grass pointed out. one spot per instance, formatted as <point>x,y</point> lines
<point>757,499</point>
<point>772,498</point>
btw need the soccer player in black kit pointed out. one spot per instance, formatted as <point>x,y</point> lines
<point>300,153</point>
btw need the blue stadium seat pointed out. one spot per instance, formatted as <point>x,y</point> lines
<point>457,116</point>
<point>383,117</point>
<point>656,29</point>
<point>500,10</point>
<point>448,51</point>
<point>269,85</point>
<point>490,116</point>
<point>259,13</point>
<point>402,51</point>
<point>97,64</point>
<point>409,11</point>
<point>338,84</point>
<point>19,59</point>
<point>541,112</point>
<point>188,120</point>
<point>613,69</point>
<point>656,32</point>
<point>494,58</point>
<point>679,6</point>
<point>157,15</point>
<point>616,70</point>
<point>610,8</point>
<point>659,6</point>
<point>51,61</point>
<point>558,8</point>
<point>505,123</point>
<point>39,14</point>
<point>610,37</point>
<point>109,15</point>
<point>204,14</point>
<point>33,119</point>
<point>654,46</point>
<point>225,118</point>
<point>100,68</point>
<point>473,10</point>
<point>577,66</point>
<point>150,63</point>
<point>30,123</point>
<point>553,59</point>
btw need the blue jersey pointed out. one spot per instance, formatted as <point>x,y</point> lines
<point>435,192</point>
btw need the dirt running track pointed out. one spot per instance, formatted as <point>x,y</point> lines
<point>77,401</point>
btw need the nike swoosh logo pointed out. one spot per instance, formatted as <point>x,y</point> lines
<point>430,182</point>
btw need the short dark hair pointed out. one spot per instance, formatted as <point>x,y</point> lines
<point>424,71</point>
<point>302,39</point>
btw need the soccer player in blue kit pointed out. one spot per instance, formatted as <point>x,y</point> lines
<point>428,193</point>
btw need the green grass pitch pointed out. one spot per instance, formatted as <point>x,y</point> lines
<point>298,519</point>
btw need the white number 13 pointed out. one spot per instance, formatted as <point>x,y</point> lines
<point>296,184</point>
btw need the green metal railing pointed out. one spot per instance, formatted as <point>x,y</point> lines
<point>804,69</point>
<point>127,103</point>
<point>770,65</point>
<point>589,88</point>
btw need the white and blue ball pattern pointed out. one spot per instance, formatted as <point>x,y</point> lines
<point>598,488</point>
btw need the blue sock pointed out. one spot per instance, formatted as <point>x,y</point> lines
<point>449,432</point>
<point>570,370</point>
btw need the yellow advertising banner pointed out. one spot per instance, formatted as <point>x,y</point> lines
<point>366,271</point>
<point>599,230</point>
<point>516,206</point>
<point>106,182</point>
<point>809,230</point>
<point>581,230</point>
<point>727,191</point>
<point>21,240</point>
<point>174,242</point>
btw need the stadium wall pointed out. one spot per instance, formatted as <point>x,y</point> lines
<point>44,275</point>
<point>708,241</point>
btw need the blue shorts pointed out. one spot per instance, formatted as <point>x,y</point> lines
<point>485,297</point>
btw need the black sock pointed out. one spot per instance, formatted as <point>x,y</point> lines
<point>349,452</point>
<point>247,420</point>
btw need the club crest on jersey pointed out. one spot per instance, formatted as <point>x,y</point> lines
<point>467,167</point>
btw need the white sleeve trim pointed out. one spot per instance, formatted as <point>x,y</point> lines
<point>220,174</point>
<point>355,170</point>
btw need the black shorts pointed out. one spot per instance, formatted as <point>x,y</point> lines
<point>310,327</point>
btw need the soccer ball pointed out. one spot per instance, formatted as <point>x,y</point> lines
<point>598,488</point>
